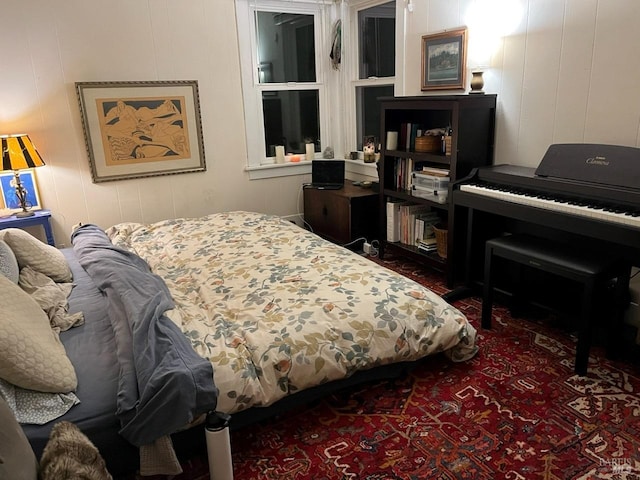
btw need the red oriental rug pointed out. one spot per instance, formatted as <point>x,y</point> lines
<point>516,411</point>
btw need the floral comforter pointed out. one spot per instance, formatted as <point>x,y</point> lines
<point>277,309</point>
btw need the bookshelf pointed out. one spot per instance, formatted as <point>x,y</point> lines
<point>470,120</point>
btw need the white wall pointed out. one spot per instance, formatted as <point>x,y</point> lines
<point>569,72</point>
<point>52,45</point>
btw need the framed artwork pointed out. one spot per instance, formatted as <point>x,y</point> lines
<point>444,60</point>
<point>8,187</point>
<point>141,129</point>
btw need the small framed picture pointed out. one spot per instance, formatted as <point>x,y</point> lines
<point>444,60</point>
<point>8,187</point>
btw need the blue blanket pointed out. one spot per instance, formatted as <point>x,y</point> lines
<point>164,384</point>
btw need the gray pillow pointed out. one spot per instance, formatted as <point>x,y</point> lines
<point>8,263</point>
<point>17,460</point>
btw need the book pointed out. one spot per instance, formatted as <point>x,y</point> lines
<point>412,138</point>
<point>438,172</point>
<point>402,141</point>
<point>393,220</point>
<point>428,242</point>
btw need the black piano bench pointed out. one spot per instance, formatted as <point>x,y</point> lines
<point>594,272</point>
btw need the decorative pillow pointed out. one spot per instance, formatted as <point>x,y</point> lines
<point>8,263</point>
<point>70,454</point>
<point>31,355</point>
<point>30,251</point>
<point>17,460</point>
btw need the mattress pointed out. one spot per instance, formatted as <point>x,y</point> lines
<point>91,349</point>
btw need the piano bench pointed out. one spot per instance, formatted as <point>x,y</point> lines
<point>594,271</point>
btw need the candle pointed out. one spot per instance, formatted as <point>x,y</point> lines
<point>310,150</point>
<point>392,140</point>
<point>279,153</point>
<point>295,158</point>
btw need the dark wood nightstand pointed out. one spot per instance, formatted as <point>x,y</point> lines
<point>342,215</point>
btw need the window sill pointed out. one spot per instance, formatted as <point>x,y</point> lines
<point>274,170</point>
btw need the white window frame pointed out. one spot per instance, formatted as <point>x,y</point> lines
<point>336,88</point>
<point>258,165</point>
<point>353,68</point>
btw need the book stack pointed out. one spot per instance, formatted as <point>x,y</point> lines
<point>410,223</point>
<point>428,245</point>
<point>424,228</point>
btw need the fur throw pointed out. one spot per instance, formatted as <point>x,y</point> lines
<point>69,454</point>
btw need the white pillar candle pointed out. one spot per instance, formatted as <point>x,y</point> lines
<point>392,140</point>
<point>279,153</point>
<point>310,151</point>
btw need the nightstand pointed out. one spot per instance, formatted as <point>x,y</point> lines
<point>344,215</point>
<point>39,217</point>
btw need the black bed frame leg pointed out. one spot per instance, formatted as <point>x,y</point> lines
<point>219,446</point>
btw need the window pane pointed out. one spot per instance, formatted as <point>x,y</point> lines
<point>368,107</point>
<point>286,49</point>
<point>291,118</point>
<point>377,40</point>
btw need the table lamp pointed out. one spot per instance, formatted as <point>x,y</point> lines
<point>19,153</point>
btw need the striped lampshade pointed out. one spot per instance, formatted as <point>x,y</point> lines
<point>18,152</point>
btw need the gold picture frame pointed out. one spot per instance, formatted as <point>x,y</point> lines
<point>141,129</point>
<point>444,60</point>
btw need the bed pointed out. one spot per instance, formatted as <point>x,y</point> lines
<point>273,313</point>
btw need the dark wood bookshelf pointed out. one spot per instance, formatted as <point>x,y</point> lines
<point>472,121</point>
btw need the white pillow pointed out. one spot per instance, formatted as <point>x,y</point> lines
<point>31,252</point>
<point>31,354</point>
<point>8,263</point>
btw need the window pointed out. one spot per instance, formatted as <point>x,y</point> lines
<point>376,33</point>
<point>286,54</point>
<point>292,95</point>
<point>377,40</point>
<point>283,88</point>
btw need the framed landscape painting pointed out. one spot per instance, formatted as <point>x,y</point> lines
<point>444,60</point>
<point>141,129</point>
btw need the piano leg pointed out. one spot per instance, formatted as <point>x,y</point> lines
<point>615,337</point>
<point>519,293</point>
<point>487,289</point>
<point>584,333</point>
<point>466,290</point>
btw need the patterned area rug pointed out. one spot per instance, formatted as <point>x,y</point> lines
<point>516,411</point>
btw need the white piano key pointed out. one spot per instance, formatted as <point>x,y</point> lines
<point>554,205</point>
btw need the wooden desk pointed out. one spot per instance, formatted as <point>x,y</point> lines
<point>40,217</point>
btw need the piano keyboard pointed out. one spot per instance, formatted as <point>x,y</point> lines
<point>607,214</point>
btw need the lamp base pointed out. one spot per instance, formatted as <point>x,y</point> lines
<point>477,82</point>
<point>24,214</point>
